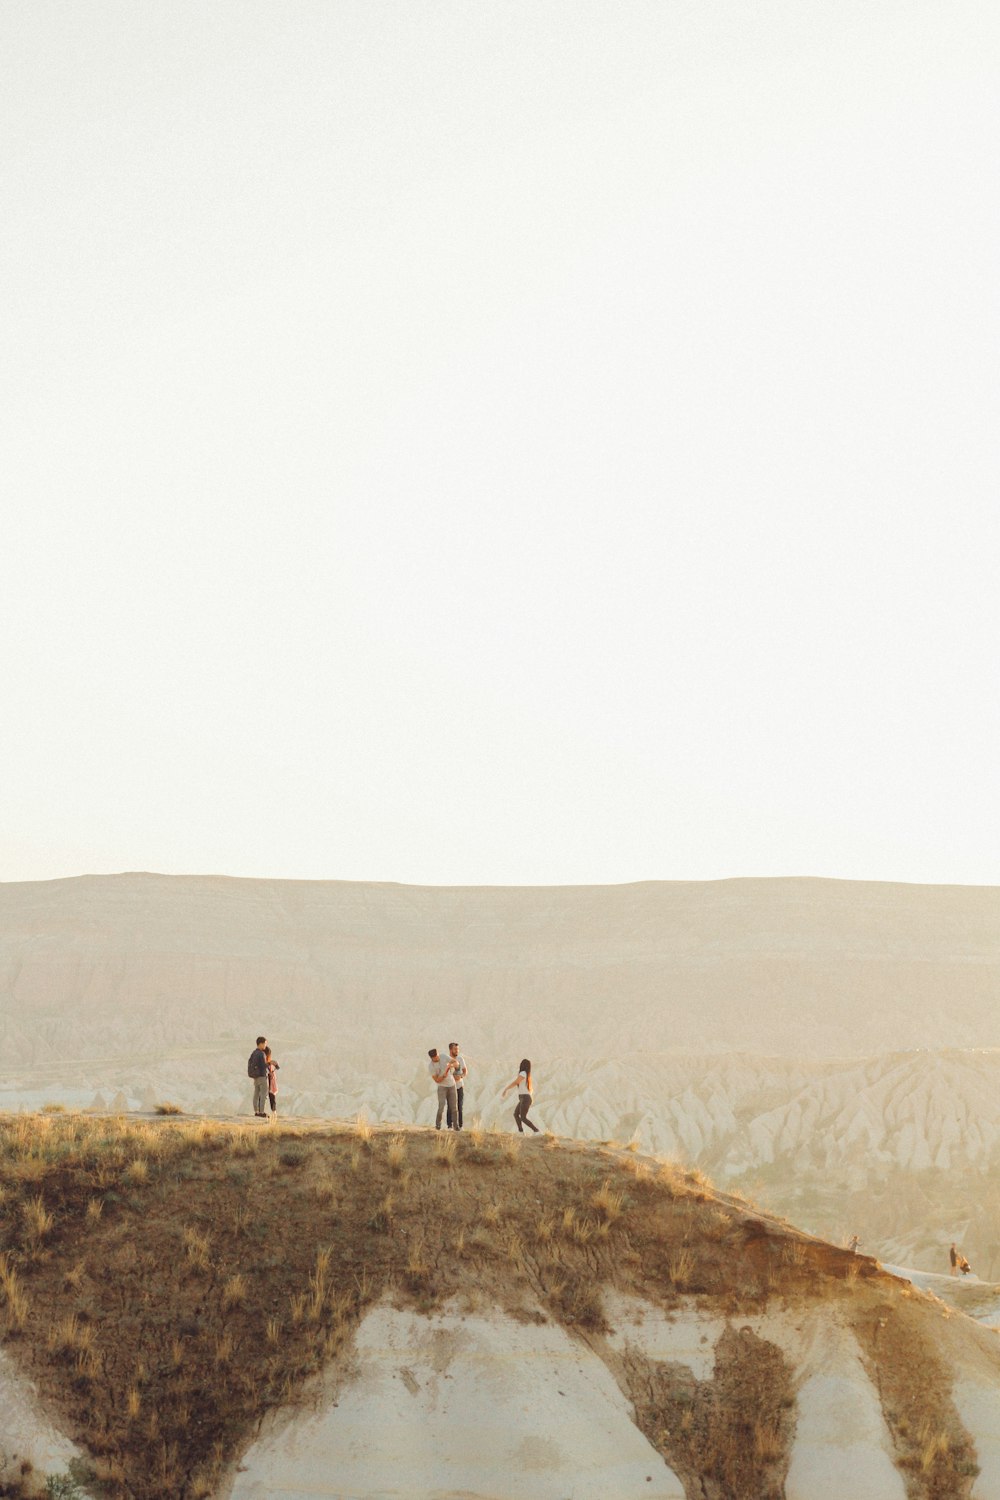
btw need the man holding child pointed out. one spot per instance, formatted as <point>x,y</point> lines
<point>446,1073</point>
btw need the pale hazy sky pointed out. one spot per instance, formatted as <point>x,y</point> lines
<point>500,443</point>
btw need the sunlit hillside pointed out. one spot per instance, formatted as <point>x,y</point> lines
<point>827,1046</point>
<point>209,1310</point>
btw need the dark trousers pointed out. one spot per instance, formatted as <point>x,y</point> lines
<point>521,1113</point>
<point>461,1095</point>
<point>273,1100</point>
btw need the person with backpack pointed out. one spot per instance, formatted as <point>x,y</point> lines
<point>257,1070</point>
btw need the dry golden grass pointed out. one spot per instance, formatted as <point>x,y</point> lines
<point>246,1143</point>
<point>416,1260</point>
<point>934,1445</point>
<point>716,1224</point>
<point>38,1220</point>
<point>73,1276</point>
<point>381,1220</point>
<point>235,1291</point>
<point>680,1267</point>
<point>769,1442</point>
<point>607,1201</point>
<point>638,1168</point>
<point>395,1152</point>
<point>15,1303</point>
<point>134,1282</point>
<point>63,1335</point>
<point>445,1147</point>
<point>198,1248</point>
<point>670,1178</point>
<point>698,1184</point>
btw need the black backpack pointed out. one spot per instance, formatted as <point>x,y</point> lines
<point>256,1069</point>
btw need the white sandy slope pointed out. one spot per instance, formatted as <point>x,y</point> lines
<point>978,1405</point>
<point>27,1432</point>
<point>975,1394</point>
<point>842,1446</point>
<point>479,1406</point>
<point>483,1407</point>
<point>453,1405</point>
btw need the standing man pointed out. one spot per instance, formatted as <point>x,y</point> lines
<point>460,1072</point>
<point>257,1070</point>
<point>443,1075</point>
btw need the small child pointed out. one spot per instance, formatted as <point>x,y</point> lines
<point>272,1080</point>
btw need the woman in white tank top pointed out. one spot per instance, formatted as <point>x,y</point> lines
<point>524,1096</point>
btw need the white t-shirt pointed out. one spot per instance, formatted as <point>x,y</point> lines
<point>436,1069</point>
<point>461,1069</point>
<point>523,1086</point>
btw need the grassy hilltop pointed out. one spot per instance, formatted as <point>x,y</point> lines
<point>166,1283</point>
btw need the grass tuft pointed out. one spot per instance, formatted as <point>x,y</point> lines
<point>680,1268</point>
<point>608,1202</point>
<point>37,1218</point>
<point>445,1146</point>
<point>395,1152</point>
<point>235,1291</point>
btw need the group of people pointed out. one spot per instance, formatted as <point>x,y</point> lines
<point>959,1265</point>
<point>449,1074</point>
<point>263,1069</point>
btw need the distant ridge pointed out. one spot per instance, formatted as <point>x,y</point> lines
<point>797,965</point>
